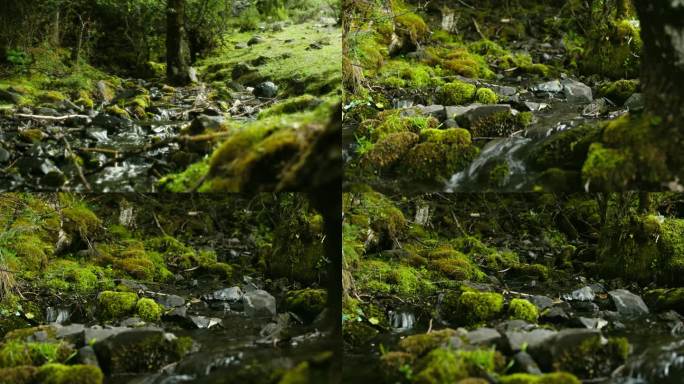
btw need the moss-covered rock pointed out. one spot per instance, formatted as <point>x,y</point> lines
<point>548,378</point>
<point>116,304</point>
<point>118,112</point>
<point>18,375</point>
<point>148,310</point>
<point>486,96</point>
<point>457,93</point>
<point>442,366</point>
<point>389,150</point>
<point>419,345</point>
<point>523,310</point>
<point>307,303</point>
<point>613,50</point>
<point>619,91</point>
<point>594,357</point>
<point>72,374</point>
<point>440,154</point>
<point>477,307</point>
<point>15,353</point>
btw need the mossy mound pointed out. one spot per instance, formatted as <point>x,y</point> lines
<point>149,310</point>
<point>523,310</point>
<point>72,374</point>
<point>117,304</point>
<point>472,307</point>
<point>594,356</point>
<point>420,345</point>
<point>457,93</point>
<point>15,353</point>
<point>613,50</point>
<point>307,303</point>
<point>619,91</point>
<point>547,378</point>
<point>444,365</point>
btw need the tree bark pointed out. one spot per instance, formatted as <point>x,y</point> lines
<point>662,30</point>
<point>176,62</point>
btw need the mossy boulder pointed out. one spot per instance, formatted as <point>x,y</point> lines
<point>457,93</point>
<point>149,310</point>
<point>443,365</point>
<point>486,96</point>
<point>594,357</point>
<point>619,91</point>
<point>439,155</point>
<point>547,378</point>
<point>307,303</point>
<point>117,304</point>
<point>419,345</point>
<point>454,264</point>
<point>18,375</point>
<point>663,299</point>
<point>472,307</point>
<point>522,309</point>
<point>15,353</point>
<point>613,50</point>
<point>389,150</point>
<point>69,374</point>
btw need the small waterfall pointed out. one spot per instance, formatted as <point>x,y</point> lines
<point>402,321</point>
<point>661,364</point>
<point>496,152</point>
<point>57,315</point>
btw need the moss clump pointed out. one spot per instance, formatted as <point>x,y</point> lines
<point>118,112</point>
<point>389,150</point>
<point>148,310</point>
<point>52,97</point>
<point>307,303</point>
<point>16,353</point>
<point>292,105</point>
<point>522,309</point>
<point>419,345</point>
<point>442,366</point>
<point>547,378</point>
<point>31,135</point>
<point>297,375</point>
<point>535,271</point>
<point>440,154</point>
<point>80,219</point>
<point>72,374</point>
<point>499,124</point>
<point>665,299</point>
<point>185,181</point>
<point>613,50</point>
<point>117,304</point>
<point>392,121</point>
<point>454,265</point>
<point>566,150</point>
<point>18,375</point>
<point>486,96</point>
<point>379,277</point>
<point>619,91</point>
<point>478,307</point>
<point>71,276</point>
<point>607,169</point>
<point>402,74</point>
<point>456,93</point>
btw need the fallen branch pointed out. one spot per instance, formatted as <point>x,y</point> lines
<point>52,118</point>
<point>74,160</point>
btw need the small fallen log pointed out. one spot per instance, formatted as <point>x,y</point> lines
<point>50,118</point>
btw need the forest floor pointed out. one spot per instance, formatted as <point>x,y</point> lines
<point>83,130</point>
<point>506,100</point>
<point>505,287</point>
<point>156,290</point>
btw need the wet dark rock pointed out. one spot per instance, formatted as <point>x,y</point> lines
<point>628,304</point>
<point>555,315</point>
<point>98,333</point>
<point>582,294</point>
<point>561,343</point>
<point>203,123</point>
<point>73,333</point>
<point>242,69</point>
<point>484,336</point>
<point>256,39</point>
<point>77,121</point>
<point>523,362</point>
<point>259,303</point>
<point>450,123</point>
<point>138,351</point>
<point>266,89</point>
<point>635,102</point>
<point>111,123</point>
<point>475,112</point>
<point>57,315</point>
<point>132,322</point>
<point>586,307</point>
<point>4,155</point>
<point>132,285</point>
<point>54,178</point>
<point>541,302</point>
<point>169,301</point>
<point>231,295</point>
<point>576,92</point>
<point>517,340</point>
<point>533,107</point>
<point>503,90</point>
<point>87,356</point>
<point>515,325</point>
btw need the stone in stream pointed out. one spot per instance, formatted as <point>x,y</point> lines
<point>169,301</point>
<point>635,102</point>
<point>541,302</point>
<point>231,295</point>
<point>533,107</point>
<point>523,362</point>
<point>436,111</point>
<point>561,343</point>
<point>73,333</point>
<point>628,304</point>
<point>586,307</point>
<point>553,86</point>
<point>576,92</point>
<point>555,315</point>
<point>140,350</point>
<point>203,322</point>
<point>259,303</point>
<point>484,336</point>
<point>4,155</point>
<point>592,322</point>
<point>266,90</point>
<point>582,294</point>
<point>596,108</point>
<point>516,340</point>
<point>98,334</point>
<point>475,112</point>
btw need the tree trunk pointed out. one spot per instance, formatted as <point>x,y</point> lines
<point>54,38</point>
<point>662,60</point>
<point>176,64</point>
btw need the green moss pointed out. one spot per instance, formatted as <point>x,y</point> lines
<point>421,344</point>
<point>117,304</point>
<point>31,135</point>
<point>619,91</point>
<point>534,271</point>
<point>440,154</point>
<point>457,93</point>
<point>402,73</point>
<point>73,374</point>
<point>223,270</point>
<point>379,277</point>
<point>80,219</point>
<point>594,356</point>
<point>16,353</point>
<point>296,375</point>
<point>613,50</point>
<point>63,276</point>
<point>291,105</point>
<point>52,97</point>
<point>389,150</point>
<point>665,299</point>
<point>454,265</point>
<point>547,378</point>
<point>523,310</point>
<point>18,375</point>
<point>486,96</point>
<point>148,310</point>
<point>118,112</point>
<point>442,366</point>
<point>392,121</point>
<point>566,150</point>
<point>607,169</point>
<point>499,124</point>
<point>477,307</point>
<point>307,303</point>
<point>185,181</point>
